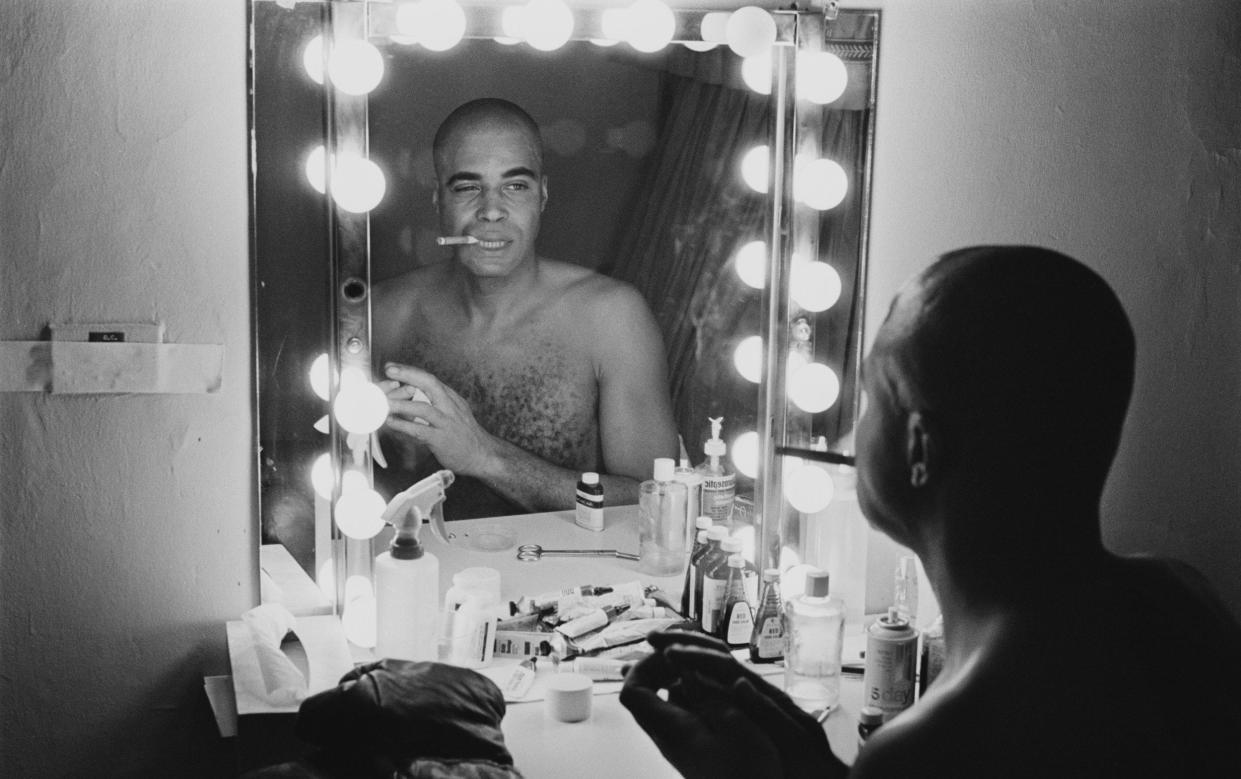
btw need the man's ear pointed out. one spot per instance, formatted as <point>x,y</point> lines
<point>543,199</point>
<point>921,450</point>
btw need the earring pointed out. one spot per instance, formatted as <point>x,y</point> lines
<point>917,474</point>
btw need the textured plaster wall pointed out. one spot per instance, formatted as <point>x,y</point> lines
<point>127,520</point>
<point>1108,132</point>
<point>1112,132</point>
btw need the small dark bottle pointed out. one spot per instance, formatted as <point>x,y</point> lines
<point>706,559</point>
<point>688,588</point>
<point>767,640</point>
<point>735,622</point>
<point>868,721</point>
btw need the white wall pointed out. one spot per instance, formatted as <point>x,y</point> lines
<point>128,521</point>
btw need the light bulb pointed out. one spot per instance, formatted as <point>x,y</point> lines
<point>814,388</point>
<point>312,59</point>
<point>821,76</point>
<point>815,286</point>
<point>357,618</point>
<point>745,534</point>
<point>321,476</point>
<point>755,168</point>
<point>359,513</point>
<point>751,264</point>
<point>604,42</point>
<point>436,24</point>
<point>793,581</point>
<point>512,23</point>
<point>820,184</point>
<point>808,488</point>
<point>357,184</point>
<point>699,45</point>
<point>360,407</point>
<point>750,31</point>
<point>756,73</point>
<point>319,375</point>
<point>745,454</point>
<point>748,358</point>
<point>714,27</point>
<point>651,25</point>
<point>547,24</point>
<point>615,23</point>
<point>796,361</point>
<point>356,67</point>
<point>353,480</point>
<point>316,168</point>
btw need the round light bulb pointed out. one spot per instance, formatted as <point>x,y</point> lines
<point>814,388</point>
<point>360,408</point>
<point>699,45</point>
<point>547,24</point>
<point>316,168</point>
<point>815,286</point>
<point>357,184</point>
<point>756,73</point>
<point>321,476</point>
<point>312,59</point>
<point>745,454</point>
<point>821,76</point>
<point>750,31</point>
<point>604,42</point>
<point>748,358</point>
<point>436,24</point>
<point>751,264</point>
<point>615,23</point>
<point>808,488</point>
<point>755,168</point>
<point>714,27</point>
<point>651,25</point>
<point>512,23</point>
<point>820,184</point>
<point>359,513</point>
<point>357,617</point>
<point>319,376</point>
<point>356,67</point>
<point>353,480</point>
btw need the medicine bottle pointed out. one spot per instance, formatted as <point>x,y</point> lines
<point>589,502</point>
<point>471,609</point>
<point>707,559</point>
<point>767,640</point>
<point>714,581</point>
<point>736,617</point>
<point>689,593</point>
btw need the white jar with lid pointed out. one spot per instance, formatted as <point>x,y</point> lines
<point>471,608</point>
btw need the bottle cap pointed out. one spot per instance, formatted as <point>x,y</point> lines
<point>870,715</point>
<point>590,477</point>
<point>701,538</point>
<point>736,561</point>
<point>730,544</point>
<point>717,533</point>
<point>714,447</point>
<point>664,468</point>
<point>771,574</point>
<point>893,619</point>
<point>817,583</point>
<point>704,523</point>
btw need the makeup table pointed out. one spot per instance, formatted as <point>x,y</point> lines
<point>609,743</point>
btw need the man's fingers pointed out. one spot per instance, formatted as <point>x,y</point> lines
<point>662,639</point>
<point>416,377</point>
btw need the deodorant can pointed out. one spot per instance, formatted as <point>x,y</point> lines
<point>891,661</point>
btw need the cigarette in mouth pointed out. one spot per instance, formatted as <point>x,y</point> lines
<point>456,240</point>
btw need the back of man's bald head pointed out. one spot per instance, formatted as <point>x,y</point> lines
<point>486,113</point>
<point>1024,353</point>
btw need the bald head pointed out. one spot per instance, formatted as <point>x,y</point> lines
<point>487,113</point>
<point>1019,352</point>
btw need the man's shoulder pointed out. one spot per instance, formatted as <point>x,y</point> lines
<point>584,287</point>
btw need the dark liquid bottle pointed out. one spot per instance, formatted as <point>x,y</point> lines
<point>688,587</point>
<point>767,640</point>
<point>735,621</point>
<point>711,554</point>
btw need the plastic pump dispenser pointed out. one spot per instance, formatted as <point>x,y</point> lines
<point>407,591</point>
<point>719,484</point>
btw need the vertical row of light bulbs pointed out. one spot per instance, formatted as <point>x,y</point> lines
<point>357,184</point>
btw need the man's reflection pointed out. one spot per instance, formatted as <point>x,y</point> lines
<point>536,369</point>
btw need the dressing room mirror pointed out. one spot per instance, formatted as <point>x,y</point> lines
<point>749,282</point>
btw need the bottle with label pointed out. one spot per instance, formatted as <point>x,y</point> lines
<point>471,608</point>
<point>767,640</point>
<point>716,577</point>
<point>692,480</point>
<point>707,559</point>
<point>891,659</point>
<point>590,502</point>
<point>868,721</point>
<point>816,626</point>
<point>719,483</point>
<point>701,526</point>
<point>735,622</point>
<point>932,654</point>
<point>663,540</point>
<point>407,580</point>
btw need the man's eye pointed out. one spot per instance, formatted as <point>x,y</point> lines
<point>518,185</point>
<point>465,189</point>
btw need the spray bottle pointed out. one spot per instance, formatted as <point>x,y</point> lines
<point>407,576</point>
<point>719,484</point>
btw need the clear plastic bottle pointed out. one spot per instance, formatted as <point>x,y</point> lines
<point>736,616</point>
<point>692,480</point>
<point>663,540</point>
<point>767,640</point>
<point>816,626</point>
<point>688,592</point>
<point>719,483</point>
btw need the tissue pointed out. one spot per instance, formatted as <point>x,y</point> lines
<point>284,684</point>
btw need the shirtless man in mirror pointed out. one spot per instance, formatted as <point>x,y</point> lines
<point>536,370</point>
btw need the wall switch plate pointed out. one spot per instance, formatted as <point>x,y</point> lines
<point>125,332</point>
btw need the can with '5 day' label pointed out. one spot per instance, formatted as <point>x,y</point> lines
<point>891,659</point>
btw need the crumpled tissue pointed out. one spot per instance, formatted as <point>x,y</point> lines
<point>269,624</point>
